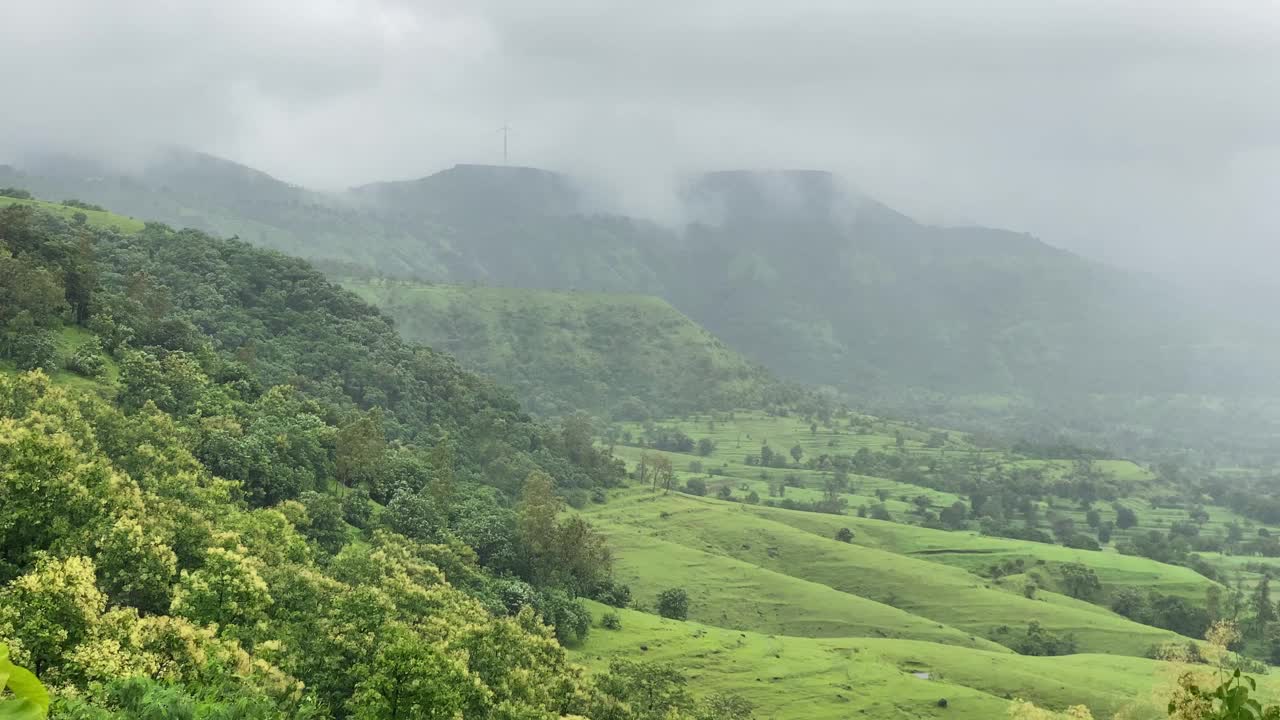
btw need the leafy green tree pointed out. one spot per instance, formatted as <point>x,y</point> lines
<point>536,525</point>
<point>654,690</point>
<point>359,445</point>
<point>1264,611</point>
<point>325,524</point>
<point>410,678</point>
<point>797,452</point>
<point>1079,580</point>
<point>844,535</point>
<point>954,516</point>
<point>673,604</point>
<point>1125,518</point>
<point>226,590</point>
<point>46,613</point>
<point>696,486</point>
<point>136,565</point>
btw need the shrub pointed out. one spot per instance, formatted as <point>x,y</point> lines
<point>673,604</point>
<point>87,360</point>
<point>611,592</point>
<point>571,620</point>
<point>356,509</point>
<point>35,351</point>
<point>725,493</point>
<point>611,621</point>
<point>844,535</point>
<point>696,486</point>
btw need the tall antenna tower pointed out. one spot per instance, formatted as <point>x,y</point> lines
<point>505,130</point>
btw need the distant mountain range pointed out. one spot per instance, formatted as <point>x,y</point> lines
<point>819,283</point>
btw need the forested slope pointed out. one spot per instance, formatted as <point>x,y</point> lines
<point>625,356</point>
<point>256,501</point>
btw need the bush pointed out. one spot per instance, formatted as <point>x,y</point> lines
<point>844,535</point>
<point>87,360</point>
<point>612,593</point>
<point>696,486</point>
<point>35,351</point>
<point>1035,640</point>
<point>356,509</point>
<point>673,604</point>
<point>571,620</point>
<point>611,621</point>
<point>725,493</point>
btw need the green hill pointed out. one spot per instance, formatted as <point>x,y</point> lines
<point>628,356</point>
<point>867,677</point>
<point>653,535</point>
<point>821,284</point>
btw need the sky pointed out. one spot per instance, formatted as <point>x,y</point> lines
<point>1141,133</point>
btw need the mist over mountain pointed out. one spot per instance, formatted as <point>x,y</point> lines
<point>793,268</point>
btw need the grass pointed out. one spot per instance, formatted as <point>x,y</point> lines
<point>645,529</point>
<point>68,339</point>
<point>731,593</point>
<point>96,218</point>
<point>819,678</point>
<point>740,433</point>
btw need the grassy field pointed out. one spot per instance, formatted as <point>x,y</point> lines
<point>739,434</point>
<point>878,678</point>
<point>97,218</point>
<point>68,339</point>
<point>725,553</point>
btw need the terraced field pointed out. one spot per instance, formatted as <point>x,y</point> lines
<point>882,678</point>
<point>775,598</point>
<point>727,554</point>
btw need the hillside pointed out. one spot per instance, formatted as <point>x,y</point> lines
<point>204,440</point>
<point>626,356</point>
<point>819,283</point>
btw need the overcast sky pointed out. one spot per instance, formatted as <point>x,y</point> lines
<point>1142,133</point>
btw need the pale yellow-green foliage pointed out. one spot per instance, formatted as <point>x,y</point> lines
<point>135,564</point>
<point>45,613</point>
<point>226,589</point>
<point>1024,710</point>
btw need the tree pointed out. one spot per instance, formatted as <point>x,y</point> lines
<point>696,486</point>
<point>663,474</point>
<point>706,446</point>
<point>1079,580</point>
<point>1125,518</point>
<point>673,604</point>
<point>227,589</point>
<point>49,611</point>
<point>136,565</point>
<point>844,535</point>
<point>1264,611</point>
<point>797,452</point>
<point>653,690</point>
<point>411,678</point>
<point>358,446</point>
<point>536,524</point>
<point>766,456</point>
<point>954,516</point>
<point>1093,518</point>
<point>1104,532</point>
